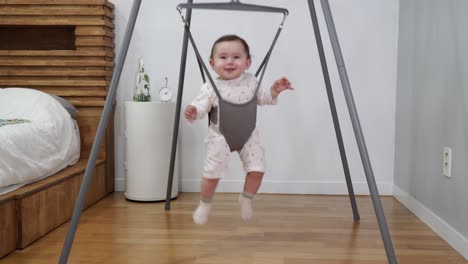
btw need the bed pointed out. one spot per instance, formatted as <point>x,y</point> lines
<point>39,137</point>
<point>59,49</point>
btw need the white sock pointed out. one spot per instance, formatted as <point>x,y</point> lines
<point>245,201</point>
<point>200,216</point>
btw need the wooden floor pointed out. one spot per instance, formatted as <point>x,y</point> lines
<point>286,229</point>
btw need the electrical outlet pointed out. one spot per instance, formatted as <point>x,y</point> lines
<point>447,159</point>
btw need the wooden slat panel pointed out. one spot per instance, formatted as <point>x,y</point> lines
<point>70,93</point>
<point>94,31</point>
<point>12,71</point>
<point>86,103</point>
<point>54,20</point>
<point>91,48</point>
<point>51,58</point>
<point>56,53</point>
<point>93,41</point>
<point>58,68</point>
<point>109,5</point>
<point>56,2</point>
<point>63,10</point>
<point>43,211</point>
<point>109,13</point>
<point>100,186</point>
<point>88,119</point>
<point>8,227</point>
<point>73,92</point>
<point>33,82</point>
<point>54,62</point>
<point>46,10</point>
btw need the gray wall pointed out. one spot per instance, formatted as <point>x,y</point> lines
<point>432,106</point>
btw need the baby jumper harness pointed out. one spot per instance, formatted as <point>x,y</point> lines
<point>236,121</point>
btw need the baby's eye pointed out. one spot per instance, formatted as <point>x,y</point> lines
<point>222,57</point>
<point>236,57</point>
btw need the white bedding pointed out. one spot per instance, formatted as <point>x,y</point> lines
<point>46,142</point>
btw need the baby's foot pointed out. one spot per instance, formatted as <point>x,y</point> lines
<point>245,207</point>
<point>200,216</point>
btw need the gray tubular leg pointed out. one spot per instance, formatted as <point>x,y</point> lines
<point>358,134</point>
<point>331,101</point>
<point>100,132</point>
<point>183,61</point>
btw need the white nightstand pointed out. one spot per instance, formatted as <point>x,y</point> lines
<point>148,132</point>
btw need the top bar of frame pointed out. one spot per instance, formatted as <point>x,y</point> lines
<point>234,6</point>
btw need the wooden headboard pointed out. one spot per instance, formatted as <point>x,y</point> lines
<point>66,48</point>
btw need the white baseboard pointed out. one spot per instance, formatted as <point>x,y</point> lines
<point>437,224</point>
<point>298,187</point>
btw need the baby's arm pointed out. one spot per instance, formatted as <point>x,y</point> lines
<point>191,113</point>
<point>280,86</point>
<point>201,105</point>
<point>270,96</point>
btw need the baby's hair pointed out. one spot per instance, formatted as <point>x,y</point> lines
<point>231,38</point>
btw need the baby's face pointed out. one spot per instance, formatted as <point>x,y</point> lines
<point>229,60</point>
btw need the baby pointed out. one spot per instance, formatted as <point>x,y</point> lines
<point>232,107</point>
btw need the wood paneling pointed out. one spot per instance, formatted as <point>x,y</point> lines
<point>34,210</point>
<point>45,210</point>
<point>8,227</point>
<point>82,76</point>
<point>58,2</point>
<point>46,10</point>
<point>52,53</point>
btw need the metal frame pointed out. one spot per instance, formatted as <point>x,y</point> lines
<point>237,6</point>
<point>233,5</point>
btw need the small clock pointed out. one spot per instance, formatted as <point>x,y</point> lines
<point>165,93</point>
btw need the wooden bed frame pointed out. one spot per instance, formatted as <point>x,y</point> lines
<point>66,48</point>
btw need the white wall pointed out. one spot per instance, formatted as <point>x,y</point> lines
<point>432,112</point>
<point>301,148</point>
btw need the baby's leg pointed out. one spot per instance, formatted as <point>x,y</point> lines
<point>252,183</point>
<point>216,162</point>
<point>253,180</point>
<point>252,156</point>
<point>208,187</point>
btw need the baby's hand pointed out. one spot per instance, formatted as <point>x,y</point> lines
<point>191,113</point>
<point>281,85</point>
